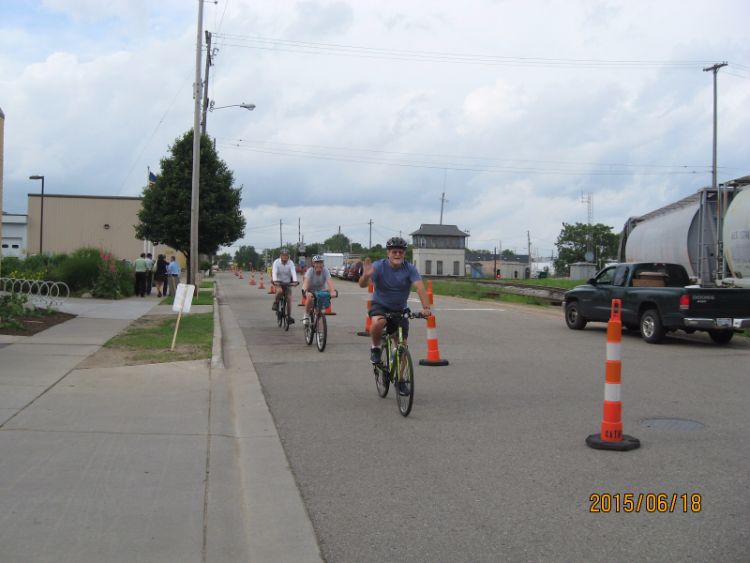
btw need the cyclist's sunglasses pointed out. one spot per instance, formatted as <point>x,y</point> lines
<point>397,250</point>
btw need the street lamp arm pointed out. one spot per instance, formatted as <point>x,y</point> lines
<point>249,107</point>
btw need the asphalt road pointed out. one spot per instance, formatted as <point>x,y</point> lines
<point>492,463</point>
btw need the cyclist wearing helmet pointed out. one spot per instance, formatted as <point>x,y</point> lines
<point>317,278</point>
<point>393,278</point>
<point>283,271</point>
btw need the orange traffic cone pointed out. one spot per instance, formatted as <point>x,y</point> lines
<point>260,285</point>
<point>329,310</point>
<point>252,278</point>
<point>430,295</point>
<point>611,436</point>
<point>433,351</point>
<point>271,287</point>
<point>302,300</point>
<point>368,320</point>
<point>241,275</point>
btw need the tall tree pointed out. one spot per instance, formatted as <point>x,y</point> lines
<point>575,240</point>
<point>223,260</point>
<point>165,213</point>
<point>337,243</point>
<point>247,257</point>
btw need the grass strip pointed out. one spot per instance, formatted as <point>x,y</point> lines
<point>483,292</point>
<point>152,341</point>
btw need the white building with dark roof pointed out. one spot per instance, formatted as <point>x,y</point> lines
<point>439,250</point>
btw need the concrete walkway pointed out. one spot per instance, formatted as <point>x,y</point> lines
<point>164,462</point>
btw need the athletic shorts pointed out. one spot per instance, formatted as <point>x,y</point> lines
<point>391,326</point>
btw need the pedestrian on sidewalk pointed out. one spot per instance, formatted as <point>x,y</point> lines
<point>149,273</point>
<point>173,271</point>
<point>160,275</point>
<point>140,275</point>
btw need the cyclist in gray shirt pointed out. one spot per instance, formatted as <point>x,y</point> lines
<point>317,278</point>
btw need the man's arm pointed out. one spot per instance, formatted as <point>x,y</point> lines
<point>274,272</point>
<point>364,278</point>
<point>423,297</point>
<point>305,283</point>
<point>294,271</point>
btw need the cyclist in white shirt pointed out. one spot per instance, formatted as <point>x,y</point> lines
<point>283,272</point>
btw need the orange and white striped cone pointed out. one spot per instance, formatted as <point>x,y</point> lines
<point>302,300</point>
<point>241,275</point>
<point>271,287</point>
<point>368,319</point>
<point>329,309</point>
<point>611,436</point>
<point>260,285</point>
<point>252,278</point>
<point>430,295</point>
<point>433,351</point>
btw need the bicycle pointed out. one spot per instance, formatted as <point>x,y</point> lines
<point>281,314</point>
<point>396,366</point>
<point>317,327</point>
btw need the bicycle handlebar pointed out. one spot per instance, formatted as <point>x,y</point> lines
<point>405,314</point>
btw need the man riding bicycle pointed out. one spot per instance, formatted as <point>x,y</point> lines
<point>393,278</point>
<point>283,272</point>
<point>316,278</point>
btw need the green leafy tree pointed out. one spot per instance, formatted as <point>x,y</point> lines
<point>247,257</point>
<point>223,260</point>
<point>165,213</point>
<point>337,243</point>
<point>507,253</point>
<point>575,240</point>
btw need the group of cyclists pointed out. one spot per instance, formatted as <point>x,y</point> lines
<point>393,278</point>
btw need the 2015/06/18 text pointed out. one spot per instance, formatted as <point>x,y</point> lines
<point>650,502</point>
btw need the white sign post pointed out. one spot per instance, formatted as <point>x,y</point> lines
<point>181,304</point>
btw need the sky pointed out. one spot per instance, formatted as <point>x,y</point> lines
<point>521,112</point>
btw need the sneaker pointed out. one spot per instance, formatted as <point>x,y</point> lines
<point>403,388</point>
<point>275,306</point>
<point>291,320</point>
<point>375,354</point>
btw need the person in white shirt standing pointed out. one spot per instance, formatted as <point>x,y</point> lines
<point>283,273</point>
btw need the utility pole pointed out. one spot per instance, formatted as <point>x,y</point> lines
<point>281,237</point>
<point>528,240</point>
<point>370,234</point>
<point>2,134</point>
<point>494,269</point>
<point>443,201</point>
<point>719,203</point>
<point>195,190</point>
<point>209,62</point>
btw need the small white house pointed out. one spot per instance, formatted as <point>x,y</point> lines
<point>14,235</point>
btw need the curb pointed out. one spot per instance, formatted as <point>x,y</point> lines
<point>277,525</point>
<point>217,348</point>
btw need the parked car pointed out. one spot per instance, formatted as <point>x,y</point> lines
<point>344,272</point>
<point>333,270</point>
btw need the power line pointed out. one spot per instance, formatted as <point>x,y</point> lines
<point>305,47</point>
<point>461,168</point>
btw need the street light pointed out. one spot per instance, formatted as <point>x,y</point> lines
<point>41,214</point>
<point>249,107</point>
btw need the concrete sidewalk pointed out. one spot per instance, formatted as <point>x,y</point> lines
<point>163,462</point>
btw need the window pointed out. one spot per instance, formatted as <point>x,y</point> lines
<point>14,246</point>
<point>428,267</point>
<point>439,271</point>
<point>5,246</point>
<point>456,266</point>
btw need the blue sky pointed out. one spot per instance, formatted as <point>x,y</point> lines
<point>369,110</point>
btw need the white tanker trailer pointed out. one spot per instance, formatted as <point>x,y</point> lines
<point>713,247</point>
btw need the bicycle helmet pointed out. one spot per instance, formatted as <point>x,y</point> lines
<point>284,251</point>
<point>396,242</point>
<point>317,258</point>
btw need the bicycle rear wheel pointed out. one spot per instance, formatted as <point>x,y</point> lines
<point>279,317</point>
<point>321,332</point>
<point>405,382</point>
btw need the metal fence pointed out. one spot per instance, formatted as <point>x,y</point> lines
<point>38,292</point>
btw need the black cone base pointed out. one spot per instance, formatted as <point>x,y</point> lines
<point>627,443</point>
<point>433,362</point>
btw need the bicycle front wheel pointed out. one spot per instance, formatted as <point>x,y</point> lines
<point>310,330</point>
<point>383,373</point>
<point>321,332</point>
<point>404,382</point>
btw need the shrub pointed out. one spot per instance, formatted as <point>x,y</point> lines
<point>80,270</point>
<point>12,305</point>
<point>126,278</point>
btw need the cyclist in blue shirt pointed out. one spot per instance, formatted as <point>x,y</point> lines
<point>393,278</point>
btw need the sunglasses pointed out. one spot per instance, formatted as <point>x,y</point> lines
<point>397,250</point>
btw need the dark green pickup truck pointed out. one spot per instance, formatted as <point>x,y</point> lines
<point>656,299</point>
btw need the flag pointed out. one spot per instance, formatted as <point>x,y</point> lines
<point>151,178</point>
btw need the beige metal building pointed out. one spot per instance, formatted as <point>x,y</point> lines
<point>72,222</point>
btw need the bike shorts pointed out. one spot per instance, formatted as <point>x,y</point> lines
<point>391,325</point>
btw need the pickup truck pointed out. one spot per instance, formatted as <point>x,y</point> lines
<point>656,299</point>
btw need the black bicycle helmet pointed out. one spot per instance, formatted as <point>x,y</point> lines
<point>396,242</point>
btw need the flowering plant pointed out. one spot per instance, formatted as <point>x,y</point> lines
<point>107,283</point>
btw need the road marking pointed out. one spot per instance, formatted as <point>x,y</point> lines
<point>500,310</point>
